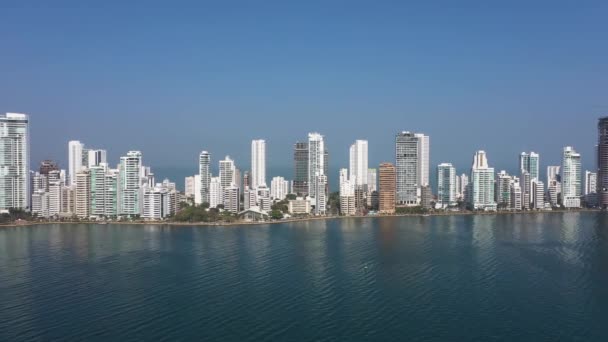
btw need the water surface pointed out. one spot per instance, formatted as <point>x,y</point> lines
<point>541,277</point>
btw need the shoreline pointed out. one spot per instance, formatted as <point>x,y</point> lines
<point>174,224</point>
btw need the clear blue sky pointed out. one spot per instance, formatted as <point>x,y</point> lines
<point>174,78</point>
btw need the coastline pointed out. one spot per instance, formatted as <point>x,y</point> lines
<point>174,224</point>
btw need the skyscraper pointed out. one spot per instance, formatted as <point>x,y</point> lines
<point>14,161</point>
<point>503,190</point>
<point>372,180</point>
<point>571,178</point>
<point>258,163</point>
<point>590,182</point>
<point>129,183</point>
<point>529,162</point>
<point>75,151</point>
<point>279,188</point>
<point>481,193</point>
<point>316,169</point>
<point>96,157</point>
<point>347,194</point>
<point>602,162</point>
<point>227,176</point>
<point>300,168</point>
<point>412,166</point>
<point>446,185</point>
<point>204,172</point>
<point>386,188</point>
<point>358,163</point>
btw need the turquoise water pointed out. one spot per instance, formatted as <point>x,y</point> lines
<point>537,277</point>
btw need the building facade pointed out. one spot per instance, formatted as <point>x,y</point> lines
<point>571,178</point>
<point>258,163</point>
<point>387,188</point>
<point>412,166</point>
<point>14,161</point>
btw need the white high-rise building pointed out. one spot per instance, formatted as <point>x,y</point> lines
<point>590,182</point>
<point>372,180</point>
<point>553,173</point>
<point>481,187</point>
<point>446,185</point>
<point>83,193</point>
<point>96,157</point>
<point>104,191</point>
<point>347,194</point>
<point>321,200</point>
<point>204,172</point>
<point>464,184</point>
<point>75,152</point>
<point>412,165</point>
<point>189,187</point>
<point>227,173</point>
<point>538,194</point>
<point>359,163</point>
<point>316,171</point>
<point>258,163</point>
<point>250,196</point>
<point>197,190</point>
<point>279,188</point>
<point>503,190</point>
<point>515,196</point>
<point>14,161</point>
<point>129,184</point>
<point>529,162</point>
<point>215,192</point>
<point>571,178</point>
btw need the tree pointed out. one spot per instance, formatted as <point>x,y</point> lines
<point>291,197</point>
<point>276,214</point>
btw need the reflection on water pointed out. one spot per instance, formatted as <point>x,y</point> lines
<point>537,277</point>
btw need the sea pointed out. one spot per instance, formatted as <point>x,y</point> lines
<point>507,277</point>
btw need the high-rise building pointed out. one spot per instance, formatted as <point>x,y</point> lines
<point>321,195</point>
<point>412,166</point>
<point>215,192</point>
<point>14,161</point>
<point>590,182</point>
<point>246,180</point>
<point>538,194</point>
<point>104,191</point>
<point>300,168</point>
<point>347,194</point>
<point>503,190</point>
<point>515,196</point>
<point>481,187</point>
<point>386,188</point>
<point>553,173</point>
<point>571,178</point>
<point>358,163</point>
<point>602,162</point>
<point>129,184</point>
<point>47,166</point>
<point>258,163</point>
<point>231,199</point>
<point>591,195</point>
<point>372,180</point>
<point>227,173</point>
<point>279,188</point>
<point>446,185</point>
<point>526,190</point>
<point>83,193</point>
<point>463,185</point>
<point>204,172</point>
<point>96,157</point>
<point>75,152</point>
<point>189,187</point>
<point>316,171</point>
<point>529,162</point>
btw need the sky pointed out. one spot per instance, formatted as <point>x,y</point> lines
<point>174,78</point>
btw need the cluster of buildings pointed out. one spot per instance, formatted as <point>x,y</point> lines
<point>92,189</point>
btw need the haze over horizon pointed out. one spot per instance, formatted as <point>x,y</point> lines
<point>171,82</point>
